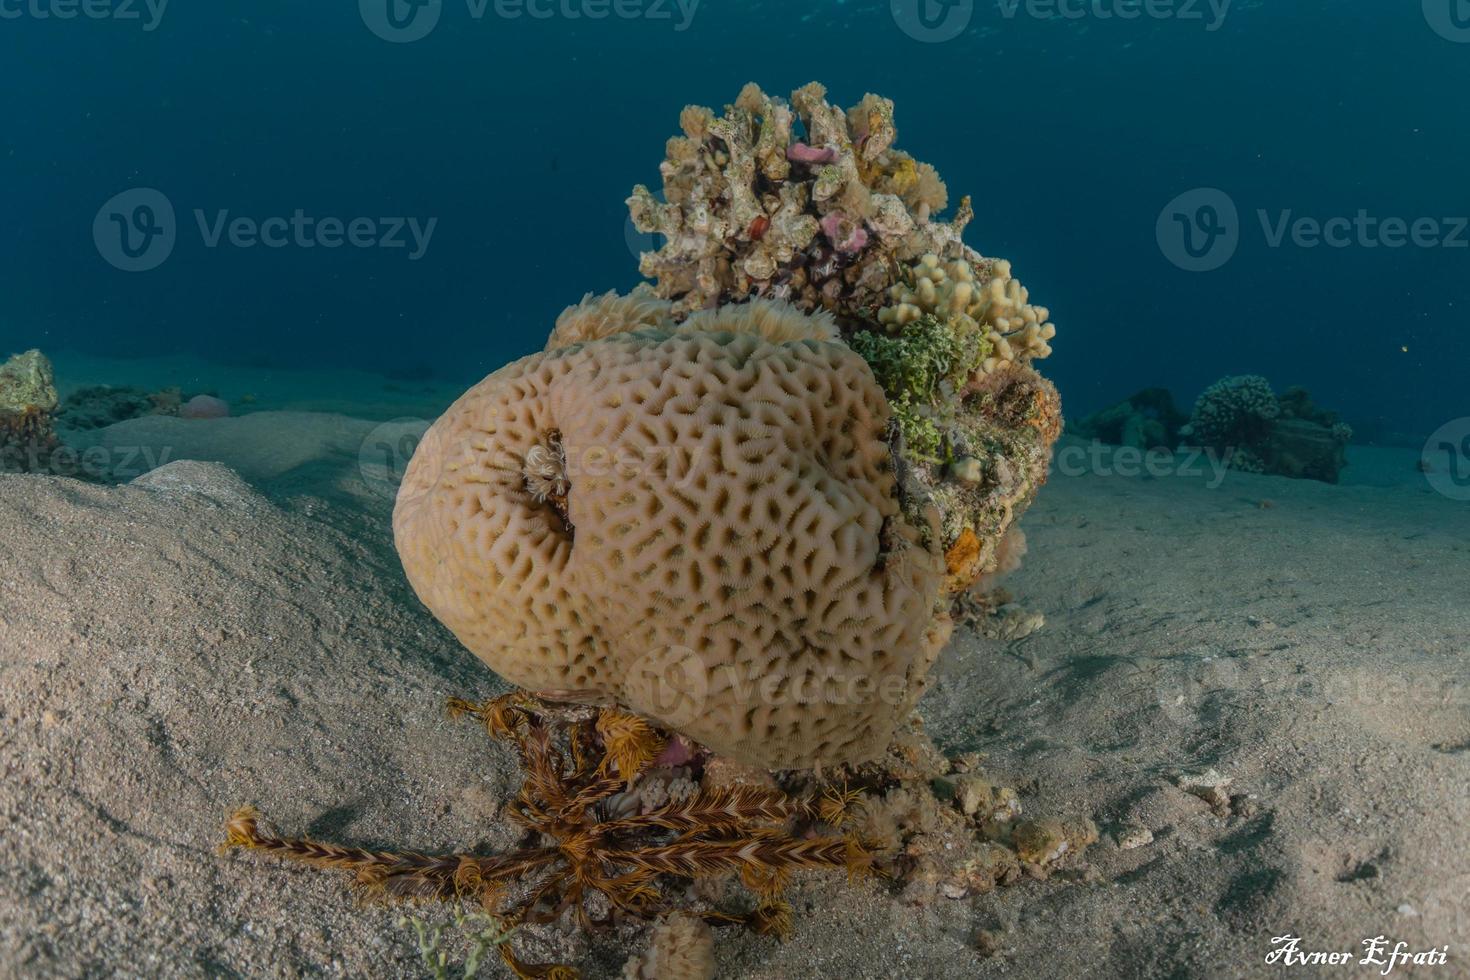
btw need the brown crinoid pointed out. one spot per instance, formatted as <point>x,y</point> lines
<point>582,841</point>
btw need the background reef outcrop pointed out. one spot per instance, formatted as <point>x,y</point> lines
<point>1258,431</point>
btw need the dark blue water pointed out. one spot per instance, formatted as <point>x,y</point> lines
<point>522,137</point>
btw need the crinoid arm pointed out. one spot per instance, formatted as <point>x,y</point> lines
<point>594,827</point>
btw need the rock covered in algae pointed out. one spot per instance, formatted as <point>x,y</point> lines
<point>27,401</point>
<point>742,499</point>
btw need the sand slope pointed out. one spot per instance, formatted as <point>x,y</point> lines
<point>173,648</point>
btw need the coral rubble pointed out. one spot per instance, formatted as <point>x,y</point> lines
<point>27,401</point>
<point>1258,431</point>
<point>101,405</point>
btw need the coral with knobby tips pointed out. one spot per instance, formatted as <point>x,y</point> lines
<point>584,855</point>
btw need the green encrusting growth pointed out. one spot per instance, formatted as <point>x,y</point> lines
<point>919,368</point>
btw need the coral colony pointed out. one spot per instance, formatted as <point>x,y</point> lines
<point>715,532</point>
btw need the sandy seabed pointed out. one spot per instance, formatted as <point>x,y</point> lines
<point>233,627</point>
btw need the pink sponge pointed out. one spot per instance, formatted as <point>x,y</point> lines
<point>204,407</point>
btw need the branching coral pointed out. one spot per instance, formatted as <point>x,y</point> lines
<point>578,762</point>
<point>826,221</point>
<point>1233,411</point>
<point>994,307</point>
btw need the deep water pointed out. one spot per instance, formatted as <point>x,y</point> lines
<point>521,137</point>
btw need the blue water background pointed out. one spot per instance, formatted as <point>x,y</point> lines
<point>524,136</point>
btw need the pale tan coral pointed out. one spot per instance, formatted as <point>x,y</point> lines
<point>996,306</point>
<point>1019,332</point>
<point>602,316</point>
<point>731,559</point>
<point>681,947</point>
<point>775,321</point>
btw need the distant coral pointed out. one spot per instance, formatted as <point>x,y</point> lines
<point>1147,419</point>
<point>204,407</point>
<point>101,405</point>
<point>1256,431</point>
<point>1235,411</point>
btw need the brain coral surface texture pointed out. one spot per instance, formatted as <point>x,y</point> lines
<point>702,526</point>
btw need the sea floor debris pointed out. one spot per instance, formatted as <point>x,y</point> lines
<point>624,821</point>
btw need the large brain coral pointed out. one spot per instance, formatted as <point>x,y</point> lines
<point>726,553</point>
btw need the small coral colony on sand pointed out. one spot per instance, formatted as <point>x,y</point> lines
<point>715,534</point>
